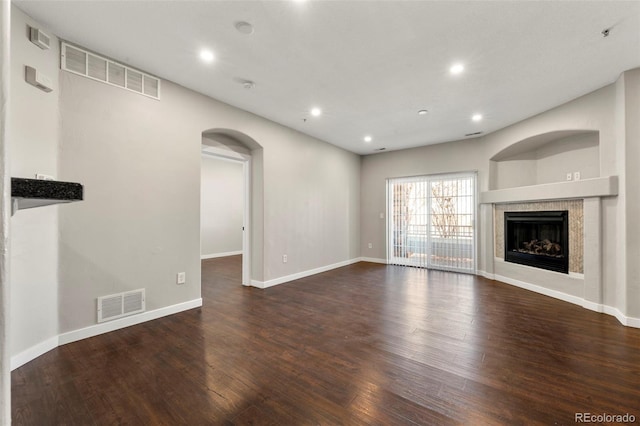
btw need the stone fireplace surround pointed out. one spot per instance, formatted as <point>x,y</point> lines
<point>576,235</point>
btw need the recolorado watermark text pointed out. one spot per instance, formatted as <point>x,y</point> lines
<point>604,418</point>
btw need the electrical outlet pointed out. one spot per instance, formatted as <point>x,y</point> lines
<point>576,175</point>
<point>40,176</point>
<point>370,245</point>
<point>569,176</point>
<point>381,215</point>
<point>181,277</point>
<point>284,258</point>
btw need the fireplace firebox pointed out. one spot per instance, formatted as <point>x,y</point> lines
<point>537,238</point>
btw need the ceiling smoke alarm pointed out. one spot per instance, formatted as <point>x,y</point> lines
<point>247,84</point>
<point>244,27</point>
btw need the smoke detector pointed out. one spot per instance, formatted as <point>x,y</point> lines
<point>244,27</point>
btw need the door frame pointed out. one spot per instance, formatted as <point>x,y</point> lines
<point>245,159</point>
<point>428,177</point>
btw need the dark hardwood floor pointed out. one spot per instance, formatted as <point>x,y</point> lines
<point>360,345</point>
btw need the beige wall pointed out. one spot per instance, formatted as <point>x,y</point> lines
<point>442,158</point>
<point>550,162</point>
<point>607,111</point>
<point>5,353</point>
<point>221,210</point>
<point>33,130</point>
<point>139,225</point>
<point>632,213</point>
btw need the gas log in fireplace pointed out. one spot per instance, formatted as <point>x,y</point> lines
<point>539,239</point>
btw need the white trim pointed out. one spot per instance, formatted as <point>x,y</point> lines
<point>596,187</point>
<point>592,306</point>
<point>610,310</point>
<point>541,290</point>
<point>224,154</point>
<point>427,244</point>
<point>105,327</point>
<point>374,260</point>
<point>214,255</point>
<point>237,157</point>
<point>33,352</point>
<point>486,274</point>
<point>303,274</point>
<point>97,329</point>
<point>246,221</point>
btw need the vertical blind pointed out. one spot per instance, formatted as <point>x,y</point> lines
<point>431,221</point>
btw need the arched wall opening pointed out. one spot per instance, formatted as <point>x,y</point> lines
<point>238,146</point>
<point>547,158</point>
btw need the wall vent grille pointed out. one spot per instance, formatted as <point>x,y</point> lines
<point>95,67</point>
<point>120,305</point>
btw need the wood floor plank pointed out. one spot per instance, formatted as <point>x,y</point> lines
<point>360,345</point>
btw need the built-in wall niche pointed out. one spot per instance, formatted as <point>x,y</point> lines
<point>547,158</point>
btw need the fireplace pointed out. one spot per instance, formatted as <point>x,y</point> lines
<point>537,238</point>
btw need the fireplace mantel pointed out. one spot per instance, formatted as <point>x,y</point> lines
<point>586,188</point>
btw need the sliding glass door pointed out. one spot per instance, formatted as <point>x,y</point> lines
<point>431,221</point>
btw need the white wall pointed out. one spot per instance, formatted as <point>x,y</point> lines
<point>579,153</point>
<point>441,158</point>
<point>139,224</point>
<point>607,111</point>
<point>596,112</point>
<point>632,161</point>
<point>550,162</point>
<point>5,353</point>
<point>221,211</point>
<point>33,129</point>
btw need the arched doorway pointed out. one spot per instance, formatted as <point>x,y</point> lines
<point>237,146</point>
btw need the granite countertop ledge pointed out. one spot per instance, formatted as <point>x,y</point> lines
<point>30,193</point>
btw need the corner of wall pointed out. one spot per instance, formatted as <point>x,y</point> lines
<point>34,136</point>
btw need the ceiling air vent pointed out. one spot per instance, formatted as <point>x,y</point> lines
<point>473,134</point>
<point>120,305</point>
<point>82,62</point>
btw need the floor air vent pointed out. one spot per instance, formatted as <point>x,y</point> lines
<point>120,305</point>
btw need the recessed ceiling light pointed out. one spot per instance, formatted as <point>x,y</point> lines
<point>206,55</point>
<point>368,138</point>
<point>423,112</point>
<point>456,69</point>
<point>316,112</point>
<point>476,117</point>
<point>244,27</point>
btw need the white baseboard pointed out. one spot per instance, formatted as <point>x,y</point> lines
<point>97,329</point>
<point>610,310</point>
<point>214,255</point>
<point>597,307</point>
<point>541,290</point>
<point>33,352</point>
<point>303,274</point>
<point>373,260</point>
<point>106,327</point>
<point>486,275</point>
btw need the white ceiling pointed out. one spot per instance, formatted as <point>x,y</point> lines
<point>370,65</point>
